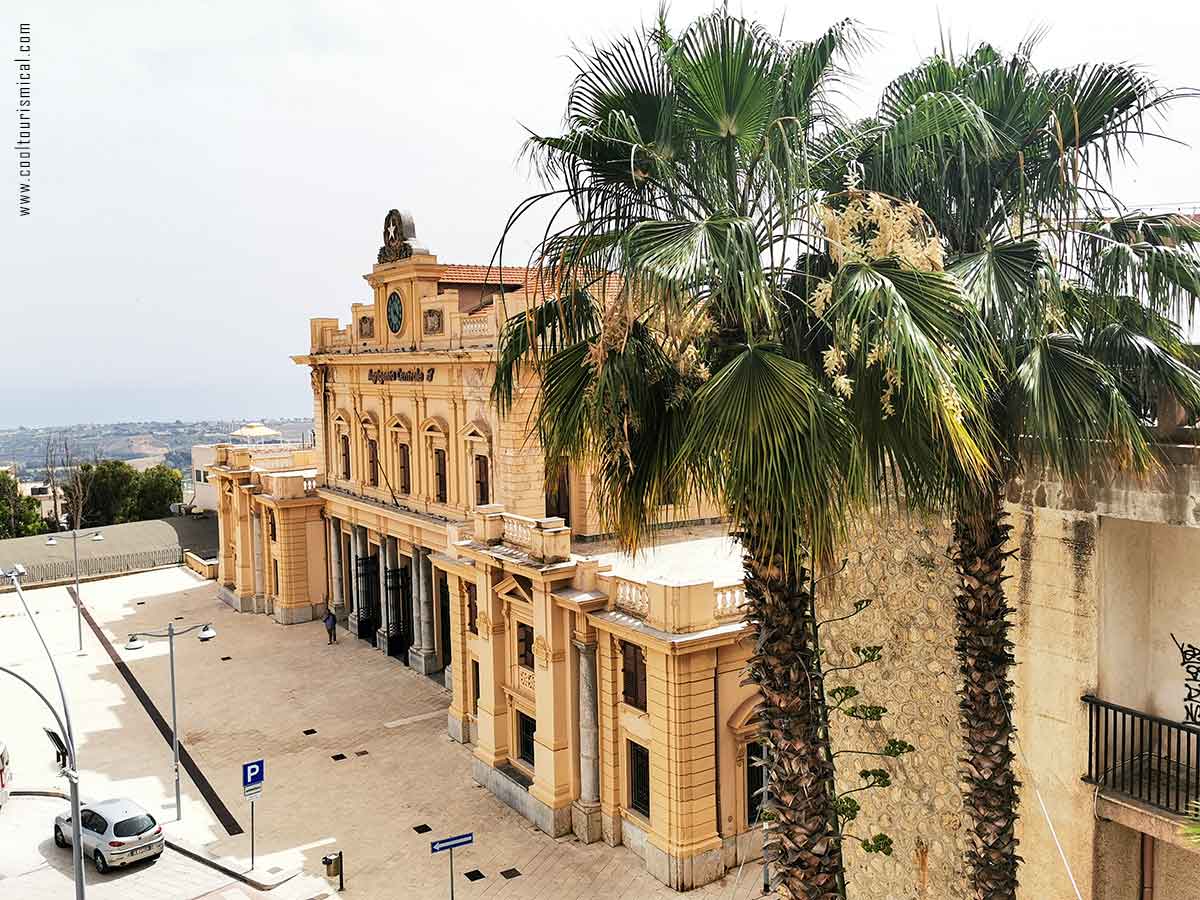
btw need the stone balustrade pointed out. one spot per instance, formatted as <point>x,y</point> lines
<point>677,607</point>
<point>545,540</point>
<point>728,600</point>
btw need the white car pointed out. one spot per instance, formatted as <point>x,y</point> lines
<point>114,833</point>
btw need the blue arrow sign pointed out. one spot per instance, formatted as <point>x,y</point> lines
<point>459,840</point>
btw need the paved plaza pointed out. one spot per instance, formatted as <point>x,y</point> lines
<point>280,693</point>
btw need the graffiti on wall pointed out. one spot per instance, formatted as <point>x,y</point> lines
<point>1190,660</point>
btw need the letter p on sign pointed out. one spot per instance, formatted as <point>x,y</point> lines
<point>252,778</point>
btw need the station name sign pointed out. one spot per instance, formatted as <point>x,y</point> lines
<point>381,376</point>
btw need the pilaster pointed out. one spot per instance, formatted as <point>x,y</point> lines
<point>611,769</point>
<point>552,748</point>
<point>491,717</point>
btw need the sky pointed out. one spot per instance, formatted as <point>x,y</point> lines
<point>208,177</point>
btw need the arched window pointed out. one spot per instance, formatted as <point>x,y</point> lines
<point>372,462</point>
<point>345,442</point>
<point>405,469</point>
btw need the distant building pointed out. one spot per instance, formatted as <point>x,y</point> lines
<point>42,492</point>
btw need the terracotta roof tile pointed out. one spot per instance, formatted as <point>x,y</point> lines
<point>462,274</point>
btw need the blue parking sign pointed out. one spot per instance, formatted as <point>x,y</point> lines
<point>252,777</point>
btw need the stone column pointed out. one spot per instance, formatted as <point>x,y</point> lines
<point>225,513</point>
<point>338,600</point>
<point>420,656</point>
<point>257,543</point>
<point>392,600</point>
<point>428,645</point>
<point>384,613</point>
<point>585,812</point>
<point>357,540</point>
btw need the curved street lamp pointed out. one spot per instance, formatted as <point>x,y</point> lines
<point>72,769</point>
<point>135,642</point>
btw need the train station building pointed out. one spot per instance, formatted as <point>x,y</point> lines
<point>599,696</point>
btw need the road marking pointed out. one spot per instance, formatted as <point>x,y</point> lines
<point>410,719</point>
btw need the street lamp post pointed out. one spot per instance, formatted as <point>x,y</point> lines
<point>51,542</point>
<point>135,642</point>
<point>72,770</point>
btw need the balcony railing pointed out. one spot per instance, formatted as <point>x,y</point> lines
<point>1149,758</point>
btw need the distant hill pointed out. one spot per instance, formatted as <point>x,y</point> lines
<point>172,441</point>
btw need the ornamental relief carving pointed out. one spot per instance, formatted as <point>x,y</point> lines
<point>433,321</point>
<point>483,624</point>
<point>541,651</point>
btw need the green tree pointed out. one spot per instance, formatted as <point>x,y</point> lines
<point>19,516</point>
<point>1079,302</point>
<point>713,325</point>
<point>157,488</point>
<point>112,497</point>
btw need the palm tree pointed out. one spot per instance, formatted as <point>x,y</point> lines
<point>709,323</point>
<point>1082,306</point>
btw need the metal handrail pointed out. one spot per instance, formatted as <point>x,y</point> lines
<point>1143,756</point>
<point>1141,714</point>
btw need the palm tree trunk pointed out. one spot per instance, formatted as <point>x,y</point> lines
<point>985,661</point>
<point>801,840</point>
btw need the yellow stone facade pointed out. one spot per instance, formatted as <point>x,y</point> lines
<point>422,519</point>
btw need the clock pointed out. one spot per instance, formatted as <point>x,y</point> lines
<point>395,313</point>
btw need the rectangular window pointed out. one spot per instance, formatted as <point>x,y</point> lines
<point>199,476</point>
<point>525,645</point>
<point>639,779</point>
<point>633,671</point>
<point>439,474</point>
<point>372,463</point>
<point>482,488</point>
<point>344,445</point>
<point>525,729</point>
<point>472,610</point>
<point>754,781</point>
<point>405,470</point>
<point>475,687</point>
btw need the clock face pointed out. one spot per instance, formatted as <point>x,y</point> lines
<point>395,313</point>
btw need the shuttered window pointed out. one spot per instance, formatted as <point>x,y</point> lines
<point>405,470</point>
<point>639,779</point>
<point>372,463</point>
<point>439,473</point>
<point>633,670</point>
<point>525,729</point>
<point>482,486</point>
<point>525,645</point>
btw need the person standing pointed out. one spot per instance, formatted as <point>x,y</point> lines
<point>331,625</point>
